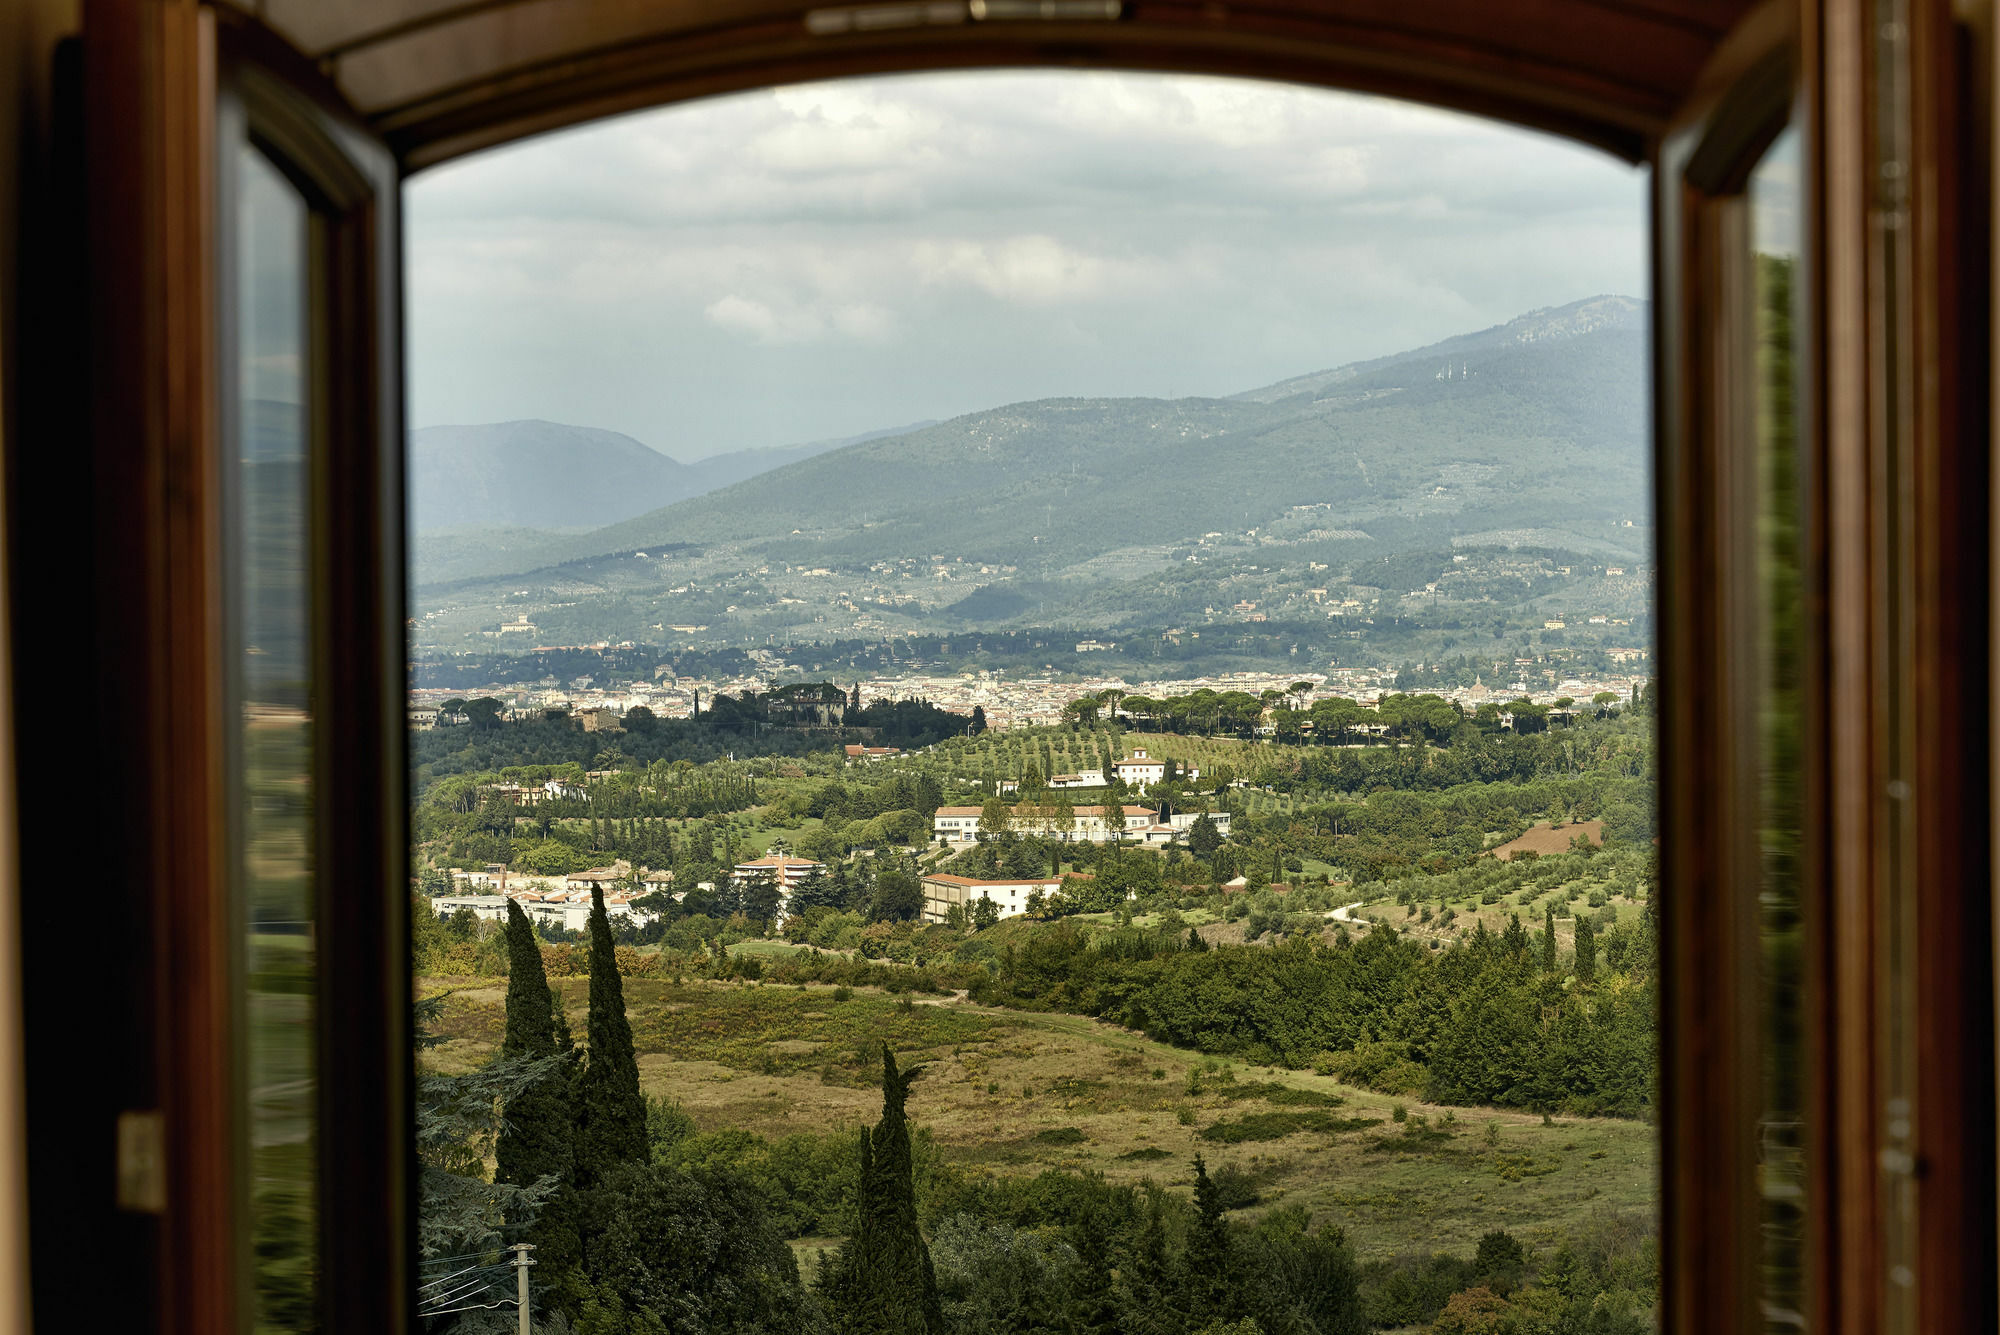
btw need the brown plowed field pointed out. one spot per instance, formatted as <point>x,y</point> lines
<point>1547,839</point>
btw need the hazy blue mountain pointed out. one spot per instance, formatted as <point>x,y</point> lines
<point>1550,325</point>
<point>1539,423</point>
<point>722,470</point>
<point>545,475</point>
<point>535,474</point>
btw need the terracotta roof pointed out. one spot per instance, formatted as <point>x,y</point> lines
<point>950,878</point>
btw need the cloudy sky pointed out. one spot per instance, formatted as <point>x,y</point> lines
<point>824,260</point>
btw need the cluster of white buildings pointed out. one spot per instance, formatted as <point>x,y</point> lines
<point>1007,702</point>
<point>565,901</point>
<point>1089,825</point>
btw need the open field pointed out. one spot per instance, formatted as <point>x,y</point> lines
<point>1544,839</point>
<point>1010,1092</point>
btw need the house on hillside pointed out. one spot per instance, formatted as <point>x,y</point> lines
<point>1140,769</point>
<point>518,794</point>
<point>492,908</point>
<point>943,891</point>
<point>960,825</point>
<point>803,704</point>
<point>785,869</point>
<point>869,754</point>
<point>1090,778</point>
<point>599,720</point>
<point>571,911</point>
<point>604,876</point>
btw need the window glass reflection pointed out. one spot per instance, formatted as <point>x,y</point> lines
<point>270,646</point>
<point>1774,195</point>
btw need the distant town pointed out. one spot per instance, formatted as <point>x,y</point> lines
<point>1006,700</point>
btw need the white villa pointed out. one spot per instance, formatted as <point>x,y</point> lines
<point>1140,769</point>
<point>786,870</point>
<point>564,908</point>
<point>960,825</point>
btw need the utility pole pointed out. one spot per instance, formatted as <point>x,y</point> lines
<point>521,1264</point>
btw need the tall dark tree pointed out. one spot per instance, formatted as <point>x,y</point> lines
<point>674,1250</point>
<point>535,1140</point>
<point>1203,837</point>
<point>458,1210</point>
<point>1208,1266</point>
<point>881,1281</point>
<point>899,896</point>
<point>1586,949</point>
<point>978,720</point>
<point>1549,941</point>
<point>760,895</point>
<point>610,1112</point>
<point>1146,1282</point>
<point>815,890</point>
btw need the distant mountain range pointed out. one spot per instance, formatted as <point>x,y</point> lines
<point>1535,426</point>
<point>545,475</point>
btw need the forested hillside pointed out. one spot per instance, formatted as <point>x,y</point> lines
<point>1540,424</point>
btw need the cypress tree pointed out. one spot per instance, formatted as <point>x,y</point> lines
<point>1146,1286</point>
<point>1093,1309</point>
<point>1549,941</point>
<point>534,1137</point>
<point>1586,949</point>
<point>610,1112</point>
<point>564,1042</point>
<point>882,1281</point>
<point>1207,1267</point>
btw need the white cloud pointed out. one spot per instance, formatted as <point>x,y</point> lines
<point>829,258</point>
<point>1022,270</point>
<point>797,324</point>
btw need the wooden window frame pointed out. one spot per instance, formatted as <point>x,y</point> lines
<point>1893,451</point>
<point>365,1071</point>
<point>1894,436</point>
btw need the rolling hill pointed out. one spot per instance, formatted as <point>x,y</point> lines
<point>1536,426</point>
<point>536,475</point>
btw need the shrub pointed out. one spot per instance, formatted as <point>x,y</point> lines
<point>1478,1311</point>
<point>1277,1125</point>
<point>1386,1066</point>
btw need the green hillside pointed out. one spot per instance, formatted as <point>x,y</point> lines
<point>1532,432</point>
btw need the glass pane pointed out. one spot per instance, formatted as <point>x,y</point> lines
<point>270,645</point>
<point>1774,198</point>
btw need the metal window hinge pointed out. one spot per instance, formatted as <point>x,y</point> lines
<point>142,1161</point>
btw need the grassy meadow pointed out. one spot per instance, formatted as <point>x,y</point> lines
<point>1012,1092</point>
